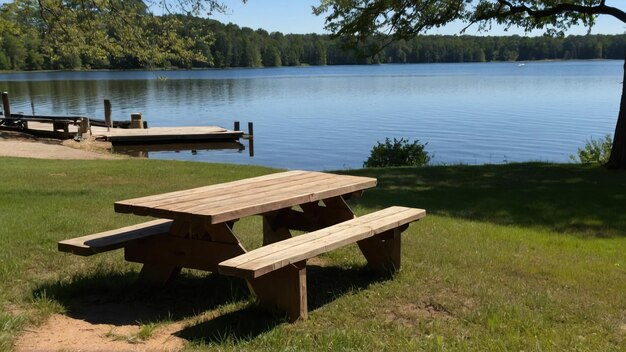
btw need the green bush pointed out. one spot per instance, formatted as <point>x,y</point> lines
<point>398,153</point>
<point>595,151</point>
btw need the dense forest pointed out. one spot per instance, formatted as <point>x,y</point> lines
<point>178,41</point>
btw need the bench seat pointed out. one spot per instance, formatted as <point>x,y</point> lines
<point>114,239</point>
<point>277,273</point>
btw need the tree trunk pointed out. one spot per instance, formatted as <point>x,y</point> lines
<point>617,160</point>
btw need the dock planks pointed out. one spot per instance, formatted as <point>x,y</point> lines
<point>167,134</point>
<point>152,135</point>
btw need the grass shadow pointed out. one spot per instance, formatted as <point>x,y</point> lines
<point>116,299</point>
<point>567,198</point>
<point>324,285</point>
<point>233,327</point>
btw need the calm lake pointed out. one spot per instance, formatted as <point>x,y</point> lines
<point>325,118</point>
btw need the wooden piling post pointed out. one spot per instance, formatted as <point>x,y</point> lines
<point>83,127</point>
<point>107,114</point>
<point>251,147</point>
<point>251,138</point>
<point>5,105</point>
<point>135,120</point>
<point>236,126</point>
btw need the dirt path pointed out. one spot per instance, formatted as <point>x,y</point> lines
<point>22,145</point>
<point>63,333</point>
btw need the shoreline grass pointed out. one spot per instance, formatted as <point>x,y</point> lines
<point>527,256</point>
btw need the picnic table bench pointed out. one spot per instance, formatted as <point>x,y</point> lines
<point>196,231</point>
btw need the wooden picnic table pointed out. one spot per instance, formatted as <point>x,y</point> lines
<point>195,230</point>
<point>201,234</point>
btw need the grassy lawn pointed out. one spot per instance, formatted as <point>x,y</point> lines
<point>511,257</point>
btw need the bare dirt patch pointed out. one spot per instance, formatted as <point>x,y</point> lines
<point>63,333</point>
<point>410,314</point>
<point>18,144</point>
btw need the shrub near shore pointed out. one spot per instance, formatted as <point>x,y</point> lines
<point>510,257</point>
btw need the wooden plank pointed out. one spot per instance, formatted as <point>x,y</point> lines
<point>233,193</point>
<point>253,196</point>
<point>269,258</point>
<point>163,134</point>
<point>244,204</point>
<point>274,203</point>
<point>114,239</point>
<point>165,199</point>
<point>215,193</point>
<point>242,194</point>
<point>329,231</point>
<point>212,191</point>
<point>305,239</point>
<point>233,200</point>
<point>157,131</point>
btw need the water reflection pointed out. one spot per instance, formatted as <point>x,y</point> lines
<point>144,150</point>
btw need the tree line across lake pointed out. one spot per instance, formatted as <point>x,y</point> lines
<point>28,42</point>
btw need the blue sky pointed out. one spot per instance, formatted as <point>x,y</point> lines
<point>295,16</point>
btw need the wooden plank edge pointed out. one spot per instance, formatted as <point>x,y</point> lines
<point>249,274</point>
<point>364,221</point>
<point>151,228</point>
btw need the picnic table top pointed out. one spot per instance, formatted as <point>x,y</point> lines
<point>233,200</point>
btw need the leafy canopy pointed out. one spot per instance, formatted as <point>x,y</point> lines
<point>109,29</point>
<point>401,19</point>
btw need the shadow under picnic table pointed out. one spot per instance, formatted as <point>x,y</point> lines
<point>117,299</point>
<point>324,284</point>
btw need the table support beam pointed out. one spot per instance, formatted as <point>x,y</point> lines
<point>163,255</point>
<point>314,216</point>
<point>383,251</point>
<point>275,228</point>
<point>158,274</point>
<point>283,289</point>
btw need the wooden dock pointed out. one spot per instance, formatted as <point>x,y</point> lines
<point>119,136</point>
<point>130,132</point>
<point>128,136</point>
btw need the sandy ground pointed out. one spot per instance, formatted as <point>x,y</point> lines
<point>63,333</point>
<point>18,144</point>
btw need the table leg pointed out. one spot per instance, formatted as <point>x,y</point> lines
<point>158,274</point>
<point>383,251</point>
<point>338,210</point>
<point>284,289</point>
<point>274,228</point>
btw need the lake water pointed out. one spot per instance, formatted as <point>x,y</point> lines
<point>325,118</point>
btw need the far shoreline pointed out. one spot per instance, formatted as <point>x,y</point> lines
<point>177,69</point>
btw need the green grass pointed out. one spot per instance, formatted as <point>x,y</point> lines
<point>510,257</point>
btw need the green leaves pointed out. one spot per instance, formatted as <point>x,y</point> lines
<point>407,18</point>
<point>400,152</point>
<point>595,151</point>
<point>76,34</point>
